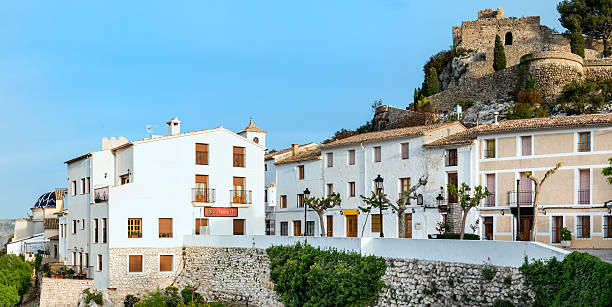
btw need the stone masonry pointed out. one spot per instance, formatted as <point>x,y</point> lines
<point>62,292</point>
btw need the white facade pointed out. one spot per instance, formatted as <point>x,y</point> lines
<point>155,179</point>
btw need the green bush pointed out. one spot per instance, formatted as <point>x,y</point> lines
<point>566,235</point>
<point>95,296</point>
<point>9,295</point>
<point>190,295</point>
<point>308,276</point>
<point>15,273</point>
<point>584,96</point>
<point>130,300</point>
<point>502,303</point>
<point>455,236</point>
<point>499,56</point>
<point>579,280</point>
<point>488,273</point>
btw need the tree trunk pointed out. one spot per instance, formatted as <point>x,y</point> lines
<point>536,201</point>
<point>465,212</point>
<point>364,223</point>
<point>320,214</point>
<point>402,221</point>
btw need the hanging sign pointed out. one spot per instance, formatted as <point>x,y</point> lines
<point>220,212</point>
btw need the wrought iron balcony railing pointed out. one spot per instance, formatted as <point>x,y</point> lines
<point>525,198</point>
<point>584,197</point>
<point>241,196</point>
<point>490,201</point>
<point>201,195</point>
<point>101,195</point>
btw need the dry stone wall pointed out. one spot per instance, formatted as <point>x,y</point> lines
<point>62,292</point>
<point>552,70</point>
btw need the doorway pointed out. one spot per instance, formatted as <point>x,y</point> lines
<point>351,226</point>
<point>525,227</point>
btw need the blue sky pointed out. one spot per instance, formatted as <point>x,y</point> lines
<point>72,72</point>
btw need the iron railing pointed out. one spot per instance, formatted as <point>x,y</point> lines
<point>584,197</point>
<point>101,195</point>
<point>238,160</point>
<point>75,272</point>
<point>525,198</point>
<point>490,153</point>
<point>201,195</point>
<point>490,201</point>
<point>241,196</point>
<point>451,159</point>
<point>607,230</point>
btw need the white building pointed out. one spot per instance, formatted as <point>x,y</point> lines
<point>130,204</point>
<point>349,167</point>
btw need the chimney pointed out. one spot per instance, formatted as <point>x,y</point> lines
<point>496,113</point>
<point>294,148</point>
<point>174,126</point>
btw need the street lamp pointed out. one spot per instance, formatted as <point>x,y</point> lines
<point>518,210</point>
<point>440,198</point>
<point>306,195</point>
<point>379,190</point>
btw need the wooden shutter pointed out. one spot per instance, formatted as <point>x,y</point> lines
<point>586,226</point>
<point>165,227</point>
<point>165,263</point>
<point>375,222</point>
<point>238,227</point>
<point>584,193</point>
<point>405,151</point>
<point>239,182</point>
<point>330,159</point>
<point>297,228</point>
<point>330,226</point>
<point>201,179</point>
<point>200,222</point>
<point>351,226</point>
<point>283,201</point>
<point>352,189</point>
<point>352,157</point>
<point>238,154</point>
<point>408,225</point>
<point>135,264</point>
<point>526,145</point>
<point>202,154</point>
<point>377,153</point>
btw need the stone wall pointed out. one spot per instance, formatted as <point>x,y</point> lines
<point>552,70</point>
<point>62,292</point>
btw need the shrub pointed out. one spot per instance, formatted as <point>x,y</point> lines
<point>502,303</point>
<point>15,273</point>
<point>304,275</point>
<point>583,96</point>
<point>579,280</point>
<point>130,300</point>
<point>95,296</point>
<point>37,261</point>
<point>487,273</point>
<point>455,236</point>
<point>566,235</point>
<point>499,56</point>
<point>9,295</point>
<point>190,295</point>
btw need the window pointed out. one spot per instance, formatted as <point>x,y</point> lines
<point>490,150</point>
<point>125,178</point>
<point>165,263</point>
<point>283,201</point>
<point>165,228</point>
<point>330,188</point>
<point>526,145</point>
<point>88,185</point>
<point>82,224</point>
<point>607,226</point>
<point>202,194</point>
<point>490,201</point>
<point>297,228</point>
<point>74,226</point>
<point>508,39</point>
<point>330,225</point>
<point>95,230</point>
<point>104,230</point>
<point>265,167</point>
<point>451,157</point>
<point>239,194</point>
<point>199,222</point>
<point>375,222</point>
<point>284,228</point>
<point>488,228</point>
<point>557,225</point>
<point>201,154</point>
<point>135,263</point>
<point>135,228</point>
<point>99,262</point>
<point>82,185</point>
<point>351,188</point>
<point>239,156</point>
<point>377,154</point>
<point>330,159</point>
<point>300,170</point>
<point>351,157</point>
<point>405,151</point>
<point>584,190</point>
<point>404,184</point>
<point>584,143</point>
<point>74,188</point>
<point>583,226</point>
<point>310,228</point>
<point>74,258</point>
<point>265,195</point>
<point>300,200</point>
<point>256,140</point>
<point>238,227</point>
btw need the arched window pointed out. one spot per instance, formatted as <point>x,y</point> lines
<point>508,38</point>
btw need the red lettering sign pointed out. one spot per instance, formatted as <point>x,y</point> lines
<point>220,212</point>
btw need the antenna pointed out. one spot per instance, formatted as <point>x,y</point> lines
<point>149,131</point>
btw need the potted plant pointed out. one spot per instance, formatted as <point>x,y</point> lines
<point>443,208</point>
<point>566,237</point>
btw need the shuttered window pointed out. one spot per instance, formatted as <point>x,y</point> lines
<point>490,150</point>
<point>200,222</point>
<point>202,154</point>
<point>135,263</point>
<point>165,263</point>
<point>165,228</point>
<point>135,228</point>
<point>330,225</point>
<point>283,201</point>
<point>351,157</point>
<point>526,145</point>
<point>330,159</point>
<point>583,226</point>
<point>300,170</point>
<point>405,151</point>
<point>377,154</point>
<point>404,184</point>
<point>330,188</point>
<point>238,156</point>
<point>375,222</point>
<point>300,200</point>
<point>238,227</point>
<point>352,189</point>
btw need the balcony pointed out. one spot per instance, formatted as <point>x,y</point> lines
<point>241,197</point>
<point>200,195</point>
<point>451,159</point>
<point>72,272</point>
<point>101,195</point>
<point>490,201</point>
<point>525,198</point>
<point>584,197</point>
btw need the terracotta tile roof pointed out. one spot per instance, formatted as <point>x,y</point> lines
<point>252,128</point>
<point>51,223</point>
<point>308,154</point>
<point>272,155</point>
<point>387,134</point>
<point>55,237</point>
<point>523,125</point>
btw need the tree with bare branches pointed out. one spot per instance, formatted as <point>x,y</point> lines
<point>374,201</point>
<point>403,202</point>
<point>536,196</point>
<point>467,200</point>
<point>321,204</point>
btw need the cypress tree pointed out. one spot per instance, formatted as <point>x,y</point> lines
<point>576,39</point>
<point>499,56</point>
<point>431,82</point>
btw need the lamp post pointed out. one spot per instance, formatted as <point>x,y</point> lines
<point>440,198</point>
<point>518,210</point>
<point>306,195</point>
<point>379,190</point>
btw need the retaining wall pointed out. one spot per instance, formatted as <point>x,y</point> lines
<point>62,292</point>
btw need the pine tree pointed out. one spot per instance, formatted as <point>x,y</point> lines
<point>431,83</point>
<point>499,56</point>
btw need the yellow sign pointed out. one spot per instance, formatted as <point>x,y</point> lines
<point>350,211</point>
